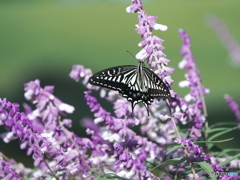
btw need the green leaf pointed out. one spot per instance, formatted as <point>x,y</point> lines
<point>207,168</point>
<point>229,160</point>
<point>220,141</point>
<point>49,175</point>
<point>169,161</point>
<point>231,150</point>
<point>215,130</point>
<point>223,124</point>
<point>174,148</point>
<point>219,134</point>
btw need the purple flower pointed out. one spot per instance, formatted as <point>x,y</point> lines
<point>48,107</point>
<point>227,39</point>
<point>7,172</point>
<point>193,81</point>
<point>234,107</point>
<point>63,149</point>
<point>20,127</point>
<point>122,108</point>
<point>135,6</point>
<point>195,150</point>
<point>116,131</point>
<point>79,72</point>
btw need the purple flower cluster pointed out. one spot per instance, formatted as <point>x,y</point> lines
<point>43,134</point>
<point>6,172</point>
<point>80,73</point>
<point>197,154</point>
<point>48,107</point>
<point>197,91</point>
<point>226,37</point>
<point>234,107</point>
<point>129,148</point>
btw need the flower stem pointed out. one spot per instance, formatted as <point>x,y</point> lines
<point>203,100</point>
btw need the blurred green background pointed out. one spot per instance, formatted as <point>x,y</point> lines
<point>43,39</point>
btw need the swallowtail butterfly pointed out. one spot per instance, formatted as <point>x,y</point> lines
<point>136,83</point>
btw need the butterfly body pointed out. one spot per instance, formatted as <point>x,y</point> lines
<point>136,83</point>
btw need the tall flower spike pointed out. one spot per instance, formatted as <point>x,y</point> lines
<point>193,81</point>
<point>234,107</point>
<point>151,45</point>
<point>226,37</point>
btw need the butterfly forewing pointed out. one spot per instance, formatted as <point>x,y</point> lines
<point>113,78</point>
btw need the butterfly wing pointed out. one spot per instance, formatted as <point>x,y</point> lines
<point>156,87</point>
<point>113,78</point>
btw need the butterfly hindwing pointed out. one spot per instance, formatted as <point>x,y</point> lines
<point>157,88</point>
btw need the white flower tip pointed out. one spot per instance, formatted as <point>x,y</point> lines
<point>67,108</point>
<point>34,114</point>
<point>184,84</point>
<point>103,93</point>
<point>51,97</point>
<point>28,94</point>
<point>160,27</point>
<point>128,9</point>
<point>182,63</point>
<point>207,91</point>
<point>180,30</point>
<point>142,55</point>
<point>188,98</point>
<point>173,94</point>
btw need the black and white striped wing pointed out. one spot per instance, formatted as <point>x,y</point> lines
<point>113,78</point>
<point>156,87</point>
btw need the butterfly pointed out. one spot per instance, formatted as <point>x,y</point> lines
<point>136,83</point>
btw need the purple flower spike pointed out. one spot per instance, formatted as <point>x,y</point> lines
<point>195,150</point>
<point>79,72</point>
<point>6,172</point>
<point>234,107</point>
<point>231,44</point>
<point>135,6</point>
<point>151,45</point>
<point>48,107</point>
<point>193,81</point>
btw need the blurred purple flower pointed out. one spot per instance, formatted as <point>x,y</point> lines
<point>197,153</point>
<point>79,72</point>
<point>226,37</point>
<point>234,107</point>
<point>6,172</point>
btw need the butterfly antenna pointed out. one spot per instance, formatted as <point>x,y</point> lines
<point>131,54</point>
